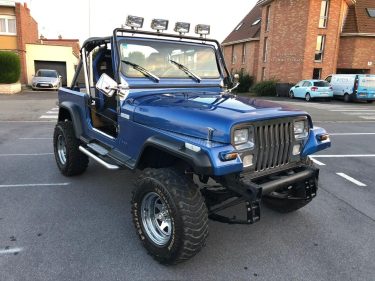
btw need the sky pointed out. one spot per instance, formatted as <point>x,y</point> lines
<point>70,18</point>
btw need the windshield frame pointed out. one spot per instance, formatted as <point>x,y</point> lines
<point>127,39</point>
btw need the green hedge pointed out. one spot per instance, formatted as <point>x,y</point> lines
<point>265,88</point>
<point>10,67</point>
<point>246,81</point>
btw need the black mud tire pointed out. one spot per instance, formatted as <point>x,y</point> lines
<point>346,97</point>
<point>75,161</point>
<point>186,208</point>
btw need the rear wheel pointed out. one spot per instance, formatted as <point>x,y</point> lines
<point>346,98</point>
<point>308,97</point>
<point>169,215</point>
<point>69,159</point>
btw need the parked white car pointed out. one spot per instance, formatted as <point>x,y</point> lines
<point>353,86</point>
<point>46,79</point>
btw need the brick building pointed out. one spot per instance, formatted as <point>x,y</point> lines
<point>291,40</point>
<point>19,33</point>
<point>17,28</point>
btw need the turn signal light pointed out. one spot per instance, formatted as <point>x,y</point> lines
<point>323,137</point>
<point>228,156</point>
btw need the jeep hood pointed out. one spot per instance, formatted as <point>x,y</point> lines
<point>193,114</point>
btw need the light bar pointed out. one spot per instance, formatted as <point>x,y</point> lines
<point>134,22</point>
<point>159,24</point>
<point>182,27</point>
<point>202,29</point>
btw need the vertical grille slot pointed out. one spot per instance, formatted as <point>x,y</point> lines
<point>274,145</point>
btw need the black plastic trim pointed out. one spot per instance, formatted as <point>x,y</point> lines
<point>75,115</point>
<point>199,161</point>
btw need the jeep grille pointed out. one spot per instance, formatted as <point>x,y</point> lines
<point>274,142</point>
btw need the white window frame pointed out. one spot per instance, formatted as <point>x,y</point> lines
<point>243,53</point>
<point>323,18</point>
<point>268,18</point>
<point>7,18</point>
<point>321,48</point>
<point>265,49</point>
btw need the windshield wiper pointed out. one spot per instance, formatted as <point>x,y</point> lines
<point>142,70</point>
<point>186,70</point>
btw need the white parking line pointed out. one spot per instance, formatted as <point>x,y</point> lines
<point>345,176</point>
<point>48,117</point>
<point>349,110</point>
<point>35,184</point>
<point>316,161</point>
<point>34,138</point>
<point>10,251</point>
<point>26,121</point>
<point>25,154</point>
<point>350,134</point>
<point>344,155</point>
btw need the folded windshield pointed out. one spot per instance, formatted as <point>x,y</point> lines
<point>166,59</point>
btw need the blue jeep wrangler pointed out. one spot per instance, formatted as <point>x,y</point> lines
<point>162,105</point>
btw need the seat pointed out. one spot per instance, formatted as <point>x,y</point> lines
<point>103,64</point>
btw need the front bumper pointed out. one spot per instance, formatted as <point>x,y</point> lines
<point>303,180</point>
<point>253,189</point>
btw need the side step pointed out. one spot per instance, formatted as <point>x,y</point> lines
<point>97,159</point>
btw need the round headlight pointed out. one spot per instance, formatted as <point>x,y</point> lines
<point>300,129</point>
<point>241,136</point>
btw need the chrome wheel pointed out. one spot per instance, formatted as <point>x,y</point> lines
<point>156,219</point>
<point>61,149</point>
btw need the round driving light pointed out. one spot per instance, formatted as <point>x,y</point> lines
<point>296,149</point>
<point>247,160</point>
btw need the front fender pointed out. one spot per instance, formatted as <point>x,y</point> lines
<point>198,160</point>
<point>75,116</point>
<point>313,143</point>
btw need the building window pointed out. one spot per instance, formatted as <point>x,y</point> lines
<point>233,56</point>
<point>317,73</point>
<point>8,25</point>
<point>243,53</point>
<point>268,16</point>
<point>371,12</point>
<point>263,74</point>
<point>324,8</point>
<point>265,49</point>
<point>320,41</point>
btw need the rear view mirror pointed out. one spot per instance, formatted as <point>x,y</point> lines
<point>107,85</point>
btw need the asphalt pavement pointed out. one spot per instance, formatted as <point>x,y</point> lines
<point>80,228</point>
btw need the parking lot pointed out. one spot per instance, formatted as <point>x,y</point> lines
<point>80,228</point>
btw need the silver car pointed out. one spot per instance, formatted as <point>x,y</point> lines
<point>46,79</point>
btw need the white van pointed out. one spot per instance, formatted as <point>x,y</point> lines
<point>353,86</point>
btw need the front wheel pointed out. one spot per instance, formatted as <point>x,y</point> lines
<point>169,215</point>
<point>291,95</point>
<point>69,159</point>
